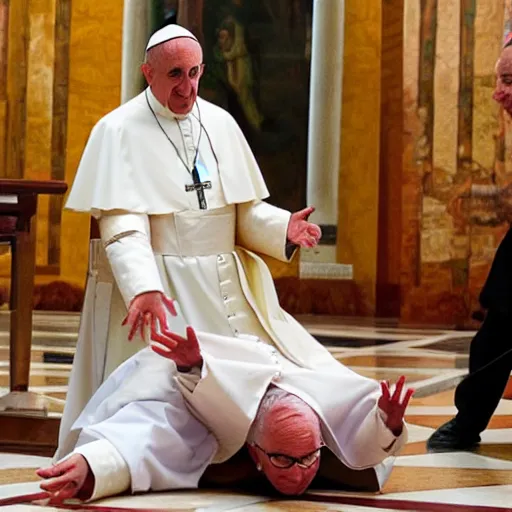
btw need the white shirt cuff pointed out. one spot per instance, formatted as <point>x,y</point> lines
<point>111,473</point>
<point>262,228</point>
<point>387,440</point>
<point>126,238</point>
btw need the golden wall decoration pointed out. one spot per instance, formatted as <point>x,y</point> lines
<point>61,72</point>
<point>455,137</point>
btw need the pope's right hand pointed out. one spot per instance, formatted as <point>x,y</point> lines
<point>71,478</point>
<point>150,308</point>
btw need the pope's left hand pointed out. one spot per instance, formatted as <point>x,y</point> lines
<point>186,353</point>
<point>300,231</point>
<point>394,406</point>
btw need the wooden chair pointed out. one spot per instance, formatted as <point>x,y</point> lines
<point>18,206</point>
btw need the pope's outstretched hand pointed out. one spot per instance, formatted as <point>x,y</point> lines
<point>394,405</point>
<point>151,309</point>
<point>71,478</point>
<point>186,353</point>
<point>300,231</point>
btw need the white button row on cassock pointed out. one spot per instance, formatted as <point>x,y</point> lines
<point>230,314</point>
<point>224,288</point>
<point>275,359</point>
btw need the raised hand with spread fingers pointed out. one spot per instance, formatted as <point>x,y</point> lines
<point>150,309</point>
<point>394,406</point>
<point>185,352</point>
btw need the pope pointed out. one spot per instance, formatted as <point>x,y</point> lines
<point>179,200</point>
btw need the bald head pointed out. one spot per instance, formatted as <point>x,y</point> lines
<point>284,418</point>
<point>504,64</point>
<point>172,70</point>
<point>285,425</point>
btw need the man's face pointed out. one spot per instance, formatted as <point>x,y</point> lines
<point>503,91</point>
<point>173,70</point>
<point>289,451</point>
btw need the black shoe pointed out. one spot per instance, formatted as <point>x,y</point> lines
<point>450,437</point>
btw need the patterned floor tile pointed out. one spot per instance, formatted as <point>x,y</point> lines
<point>460,460</point>
<point>18,489</point>
<point>438,399</point>
<point>352,341</point>
<point>409,361</point>
<point>391,374</point>
<point>427,478</point>
<point>45,378</point>
<point>496,451</point>
<point>432,360</point>
<point>14,461</point>
<point>483,496</point>
<point>185,500</point>
<point>424,420</point>
<point>301,506</point>
<point>453,345</point>
<point>18,475</point>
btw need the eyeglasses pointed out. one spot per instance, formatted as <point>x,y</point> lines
<point>282,461</point>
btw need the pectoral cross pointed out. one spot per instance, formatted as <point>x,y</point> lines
<point>199,186</point>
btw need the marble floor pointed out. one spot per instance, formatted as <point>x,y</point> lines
<point>434,361</point>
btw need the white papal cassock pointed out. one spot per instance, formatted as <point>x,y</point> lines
<point>150,427</point>
<point>131,178</point>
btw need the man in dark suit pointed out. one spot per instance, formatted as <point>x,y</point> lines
<point>490,358</point>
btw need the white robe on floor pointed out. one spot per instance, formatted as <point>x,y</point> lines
<point>143,436</point>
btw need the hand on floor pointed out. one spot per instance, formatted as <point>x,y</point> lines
<point>394,406</point>
<point>150,309</point>
<point>300,231</point>
<point>184,352</point>
<point>71,478</point>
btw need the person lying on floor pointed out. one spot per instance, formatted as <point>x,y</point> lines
<point>168,413</point>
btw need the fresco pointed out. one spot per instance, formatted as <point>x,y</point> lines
<point>457,158</point>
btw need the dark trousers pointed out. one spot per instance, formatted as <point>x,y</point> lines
<point>490,358</point>
<point>490,364</point>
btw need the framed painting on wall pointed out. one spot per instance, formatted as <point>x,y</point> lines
<point>257,67</point>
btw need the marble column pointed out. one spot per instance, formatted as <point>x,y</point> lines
<point>357,237</point>
<point>325,119</point>
<point>138,21</point>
